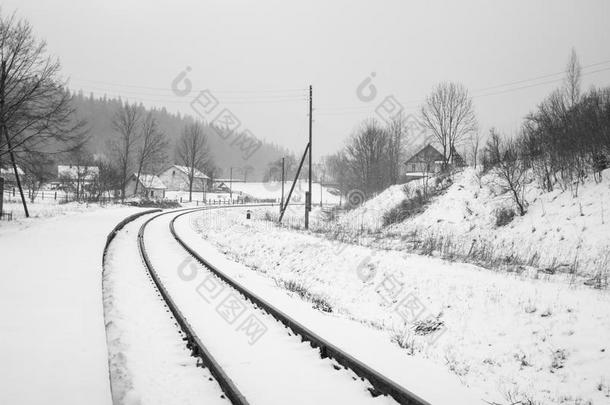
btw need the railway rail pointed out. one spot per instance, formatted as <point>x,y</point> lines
<point>381,385</point>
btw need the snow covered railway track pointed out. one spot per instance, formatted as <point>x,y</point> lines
<point>193,342</point>
<point>282,353</point>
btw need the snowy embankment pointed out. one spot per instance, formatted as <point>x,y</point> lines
<point>52,338</point>
<point>560,232</point>
<point>509,337</point>
<point>367,344</point>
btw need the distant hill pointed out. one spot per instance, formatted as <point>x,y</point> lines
<point>98,113</point>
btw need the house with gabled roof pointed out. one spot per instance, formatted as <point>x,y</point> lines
<point>149,186</point>
<point>176,178</point>
<point>429,161</point>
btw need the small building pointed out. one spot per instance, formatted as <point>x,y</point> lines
<point>176,178</point>
<point>221,186</point>
<point>8,174</point>
<point>149,186</point>
<point>72,173</point>
<point>429,161</point>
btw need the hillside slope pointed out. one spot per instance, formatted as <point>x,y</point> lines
<point>559,233</point>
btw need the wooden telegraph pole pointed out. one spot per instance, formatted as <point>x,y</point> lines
<point>308,194</point>
<point>231,183</point>
<point>296,177</point>
<point>3,128</point>
<point>282,200</point>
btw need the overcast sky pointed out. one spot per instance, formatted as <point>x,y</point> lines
<point>258,57</point>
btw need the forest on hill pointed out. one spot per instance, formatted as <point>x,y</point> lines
<point>98,115</point>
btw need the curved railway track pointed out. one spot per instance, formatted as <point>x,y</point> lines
<point>381,385</point>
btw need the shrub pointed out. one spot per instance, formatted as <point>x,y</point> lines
<point>154,204</point>
<point>504,216</point>
<point>319,302</point>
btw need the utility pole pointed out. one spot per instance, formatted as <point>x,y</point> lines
<point>308,195</point>
<point>231,183</point>
<point>8,139</point>
<point>282,200</point>
<point>321,189</point>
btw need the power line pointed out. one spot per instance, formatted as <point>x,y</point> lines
<point>266,96</point>
<point>538,77</point>
<point>230,98</point>
<point>338,110</point>
<point>536,84</point>
<point>229,91</point>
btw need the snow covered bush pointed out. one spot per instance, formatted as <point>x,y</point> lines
<point>504,216</point>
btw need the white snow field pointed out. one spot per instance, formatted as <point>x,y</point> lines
<point>149,362</point>
<point>52,338</point>
<point>263,191</point>
<point>369,344</point>
<point>509,336</point>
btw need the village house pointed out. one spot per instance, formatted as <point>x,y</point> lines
<point>8,174</point>
<point>149,186</point>
<point>176,178</point>
<point>83,174</point>
<point>75,178</point>
<point>429,161</point>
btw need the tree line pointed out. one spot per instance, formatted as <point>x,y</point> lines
<point>374,155</point>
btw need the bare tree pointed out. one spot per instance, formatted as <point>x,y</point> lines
<point>275,168</point>
<point>572,80</point>
<point>247,170</point>
<point>474,144</point>
<point>192,152</point>
<point>152,148</point>
<point>125,122</point>
<point>337,168</point>
<point>82,161</point>
<point>39,169</point>
<point>108,179</point>
<point>396,129</point>
<point>36,114</point>
<point>367,156</point>
<point>508,167</point>
<point>449,114</point>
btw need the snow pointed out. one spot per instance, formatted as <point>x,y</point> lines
<point>275,368</point>
<point>330,276</point>
<point>506,335</point>
<point>149,362</point>
<point>52,338</point>
<point>273,190</point>
<point>46,208</point>
<point>557,230</point>
<point>369,215</point>
<point>150,181</point>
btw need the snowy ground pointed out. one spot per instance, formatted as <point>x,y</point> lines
<point>274,190</point>
<point>559,231</point>
<point>52,338</point>
<point>44,209</point>
<point>264,191</point>
<point>365,343</point>
<point>510,337</point>
<point>274,367</point>
<point>149,362</point>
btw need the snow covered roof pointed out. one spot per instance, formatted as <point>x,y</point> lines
<point>185,170</point>
<point>426,154</point>
<point>75,171</point>
<point>9,171</point>
<point>150,181</point>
